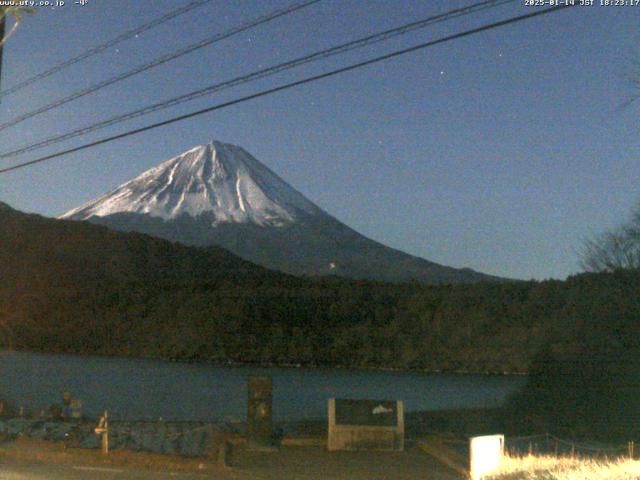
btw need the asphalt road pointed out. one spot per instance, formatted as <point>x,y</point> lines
<point>296,463</point>
<point>21,470</point>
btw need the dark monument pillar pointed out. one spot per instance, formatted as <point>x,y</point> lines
<point>259,416</point>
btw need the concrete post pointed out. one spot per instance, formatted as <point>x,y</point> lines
<point>259,412</point>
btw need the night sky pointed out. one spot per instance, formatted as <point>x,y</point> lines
<point>498,152</point>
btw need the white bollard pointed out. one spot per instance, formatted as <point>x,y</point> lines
<point>485,455</point>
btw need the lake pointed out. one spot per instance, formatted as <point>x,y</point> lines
<point>141,389</point>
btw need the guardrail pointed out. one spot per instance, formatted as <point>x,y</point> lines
<point>179,438</point>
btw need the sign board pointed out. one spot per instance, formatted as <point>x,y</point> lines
<point>366,412</point>
<point>365,425</point>
<point>259,412</point>
<point>485,455</point>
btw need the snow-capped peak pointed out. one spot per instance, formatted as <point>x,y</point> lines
<point>216,178</point>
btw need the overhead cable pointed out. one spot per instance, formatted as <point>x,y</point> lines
<point>287,86</point>
<point>262,73</point>
<point>157,62</point>
<point>104,46</point>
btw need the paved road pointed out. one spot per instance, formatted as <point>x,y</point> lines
<point>296,463</point>
<point>21,470</point>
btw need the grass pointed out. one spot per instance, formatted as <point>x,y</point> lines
<point>532,467</point>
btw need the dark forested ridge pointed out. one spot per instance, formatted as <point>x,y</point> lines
<point>76,287</point>
<point>312,246</point>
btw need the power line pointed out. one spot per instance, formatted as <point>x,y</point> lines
<point>287,86</point>
<point>104,46</point>
<point>159,61</point>
<point>265,72</point>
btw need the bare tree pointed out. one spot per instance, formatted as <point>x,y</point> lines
<point>16,13</point>
<point>616,249</point>
<point>634,81</point>
<point>6,330</point>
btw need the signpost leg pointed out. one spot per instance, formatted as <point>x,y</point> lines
<point>259,413</point>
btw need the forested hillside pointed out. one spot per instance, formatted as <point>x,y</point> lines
<point>75,287</point>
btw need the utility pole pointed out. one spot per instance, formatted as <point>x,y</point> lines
<point>3,23</point>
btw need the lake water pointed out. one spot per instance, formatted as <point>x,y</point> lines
<point>139,389</point>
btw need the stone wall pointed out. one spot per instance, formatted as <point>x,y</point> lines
<point>179,438</point>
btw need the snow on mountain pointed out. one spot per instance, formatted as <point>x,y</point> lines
<point>218,194</point>
<point>219,178</point>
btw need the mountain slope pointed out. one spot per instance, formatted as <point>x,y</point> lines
<point>218,194</point>
<point>82,288</point>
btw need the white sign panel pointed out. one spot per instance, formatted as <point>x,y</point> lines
<point>486,454</point>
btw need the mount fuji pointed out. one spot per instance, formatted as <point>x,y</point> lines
<point>218,194</point>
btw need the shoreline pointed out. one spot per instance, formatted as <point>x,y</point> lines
<point>234,364</point>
